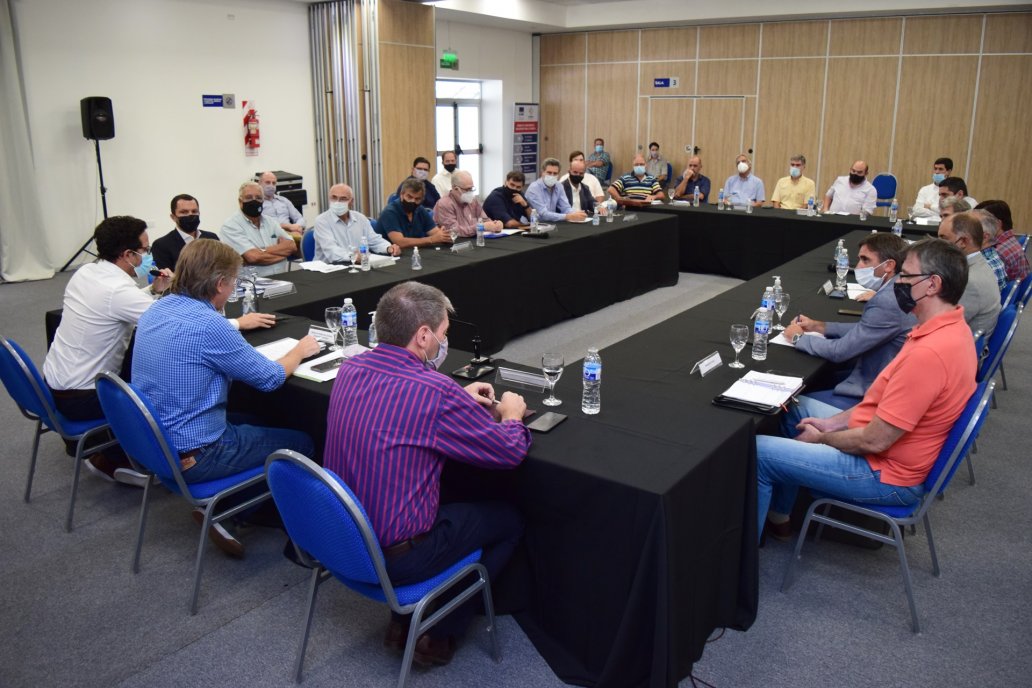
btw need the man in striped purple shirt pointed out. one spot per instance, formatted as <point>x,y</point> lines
<point>392,423</point>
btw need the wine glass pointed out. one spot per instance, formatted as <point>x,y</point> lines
<point>739,336</point>
<point>352,255</point>
<point>911,209</point>
<point>552,366</point>
<point>453,232</point>
<point>332,317</point>
<point>781,302</point>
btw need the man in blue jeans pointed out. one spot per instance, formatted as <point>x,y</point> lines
<point>185,358</point>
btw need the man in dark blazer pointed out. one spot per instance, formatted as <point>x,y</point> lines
<point>577,192</point>
<point>186,213</point>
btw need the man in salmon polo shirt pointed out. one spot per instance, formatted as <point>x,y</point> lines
<point>880,451</point>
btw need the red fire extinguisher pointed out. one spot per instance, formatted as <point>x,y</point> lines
<point>252,129</point>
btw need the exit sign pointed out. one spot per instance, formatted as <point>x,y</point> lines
<point>666,82</point>
<point>449,60</point>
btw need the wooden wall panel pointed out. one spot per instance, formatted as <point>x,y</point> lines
<point>865,37</point>
<point>1001,145</point>
<point>734,40</point>
<point>789,116</point>
<point>718,133</point>
<point>613,110</point>
<point>1008,33</point>
<point>563,48</point>
<point>749,127</point>
<point>931,35</point>
<point>404,22</point>
<point>613,46</point>
<point>684,71</point>
<point>407,102</point>
<point>562,111</point>
<point>795,39</point>
<point>670,125</point>
<point>857,115</point>
<point>727,77</point>
<point>669,44</point>
<point>920,139</point>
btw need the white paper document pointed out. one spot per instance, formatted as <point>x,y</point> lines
<point>277,349</point>
<point>854,290</point>
<point>503,233</point>
<point>764,389</point>
<point>320,266</point>
<point>324,368</point>
<point>272,288</point>
<point>784,341</point>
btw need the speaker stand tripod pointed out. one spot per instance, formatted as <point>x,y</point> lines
<point>103,203</point>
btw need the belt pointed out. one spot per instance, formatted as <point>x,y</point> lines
<point>399,548</point>
<point>187,460</point>
<point>72,393</point>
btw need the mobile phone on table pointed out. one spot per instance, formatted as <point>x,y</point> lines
<point>327,366</point>
<point>546,421</point>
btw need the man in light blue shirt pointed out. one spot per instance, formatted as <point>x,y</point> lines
<point>259,240</point>
<point>744,187</point>
<point>279,208</point>
<point>547,196</point>
<point>339,231</point>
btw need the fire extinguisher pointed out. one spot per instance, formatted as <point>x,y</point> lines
<point>252,129</point>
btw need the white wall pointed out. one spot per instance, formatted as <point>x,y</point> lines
<point>154,59</point>
<point>498,55</point>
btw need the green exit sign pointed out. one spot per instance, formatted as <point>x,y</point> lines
<point>449,60</point>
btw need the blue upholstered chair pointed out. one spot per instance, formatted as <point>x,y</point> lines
<point>146,442</point>
<point>957,445</point>
<point>885,185</point>
<point>308,244</point>
<point>26,386</point>
<point>999,341</point>
<point>333,535</point>
<point>1010,290</point>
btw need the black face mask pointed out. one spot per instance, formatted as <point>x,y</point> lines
<point>509,193</point>
<point>450,168</point>
<point>856,179</point>
<point>189,223</point>
<point>576,179</point>
<point>252,208</point>
<point>409,206</point>
<point>904,299</point>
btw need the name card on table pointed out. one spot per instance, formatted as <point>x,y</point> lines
<point>707,364</point>
<point>827,287</point>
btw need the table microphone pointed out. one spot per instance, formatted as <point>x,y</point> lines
<point>478,365</point>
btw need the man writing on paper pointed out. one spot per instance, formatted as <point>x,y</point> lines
<point>881,450</point>
<point>339,231</point>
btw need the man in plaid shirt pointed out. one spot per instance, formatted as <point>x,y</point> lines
<point>1013,256</point>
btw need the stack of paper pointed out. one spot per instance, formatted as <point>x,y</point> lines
<point>764,389</point>
<point>325,368</point>
<point>271,288</point>
<point>781,339</point>
<point>503,233</point>
<point>277,349</point>
<point>320,266</point>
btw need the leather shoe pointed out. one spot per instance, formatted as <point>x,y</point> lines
<point>221,537</point>
<point>432,651</point>
<point>397,634</point>
<point>779,531</point>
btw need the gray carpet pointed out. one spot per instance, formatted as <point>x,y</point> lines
<point>71,613</point>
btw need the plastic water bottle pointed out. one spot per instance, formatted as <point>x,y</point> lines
<point>748,205</point>
<point>373,341</point>
<point>778,291</point>
<point>863,214</point>
<point>695,197</point>
<point>417,262</point>
<point>363,254</point>
<point>838,249</point>
<point>720,200</point>
<point>591,397</point>
<point>480,234</point>
<point>248,303</point>
<point>893,210</point>
<point>897,228</point>
<point>349,323</point>
<point>533,219</point>
<point>595,218</point>
<point>841,269</point>
<point>761,328</point>
<point>809,206</point>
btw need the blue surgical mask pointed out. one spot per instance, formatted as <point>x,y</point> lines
<point>794,171</point>
<point>599,149</point>
<point>866,278</point>
<point>639,170</point>
<point>145,266</point>
<point>442,353</point>
<point>937,178</point>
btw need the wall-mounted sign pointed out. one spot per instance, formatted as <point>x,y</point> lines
<point>666,82</point>
<point>525,144</point>
<point>449,60</point>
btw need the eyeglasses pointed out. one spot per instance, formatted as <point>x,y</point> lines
<point>467,189</point>
<point>143,251</point>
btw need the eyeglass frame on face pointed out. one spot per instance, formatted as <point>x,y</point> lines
<point>465,190</point>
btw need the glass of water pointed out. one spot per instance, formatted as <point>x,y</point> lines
<point>739,336</point>
<point>552,366</point>
<point>911,210</point>
<point>332,317</point>
<point>781,302</point>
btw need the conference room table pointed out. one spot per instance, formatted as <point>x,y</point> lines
<point>641,526</point>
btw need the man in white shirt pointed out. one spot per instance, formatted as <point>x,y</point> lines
<point>442,180</point>
<point>259,240</point>
<point>850,194</point>
<point>955,187</point>
<point>576,188</point>
<point>927,202</point>
<point>186,214</point>
<point>339,231</point>
<point>592,182</point>
<point>277,207</point>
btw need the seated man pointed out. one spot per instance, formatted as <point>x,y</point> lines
<point>506,204</point>
<point>877,337</point>
<point>442,180</point>
<point>259,240</point>
<point>1015,262</point>
<point>636,188</point>
<point>407,223</point>
<point>186,214</point>
<point>927,202</point>
<point>576,189</point>
<point>745,187</point>
<point>461,210</point>
<point>546,196</point>
<point>957,188</point>
<point>990,225</point>
<point>185,358</point>
<point>393,421</point>
<point>339,231</point>
<point>853,193</point>
<point>794,191</point>
<point>594,185</point>
<point>421,171</point>
<point>279,208</point>
<point>981,296</point>
<point>684,186</point>
<point>881,450</point>
<point>656,164</point>
<point>951,205</point>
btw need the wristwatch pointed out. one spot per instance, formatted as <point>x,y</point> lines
<point>796,337</point>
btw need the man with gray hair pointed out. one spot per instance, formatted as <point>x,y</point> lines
<point>259,240</point>
<point>393,422</point>
<point>460,209</point>
<point>981,299</point>
<point>990,228</point>
<point>340,230</point>
<point>547,197</point>
<point>793,192</point>
<point>279,208</point>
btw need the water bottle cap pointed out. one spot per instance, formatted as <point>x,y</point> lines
<point>593,350</point>
<point>347,302</point>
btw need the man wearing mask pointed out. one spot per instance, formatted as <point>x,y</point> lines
<point>656,164</point>
<point>259,240</point>
<point>279,208</point>
<point>461,209</point>
<point>1015,261</point>
<point>443,179</point>
<point>421,171</point>
<point>636,188</point>
<point>927,202</point>
<point>692,177</point>
<point>850,194</point>
<point>880,450</point>
<point>599,162</point>
<point>186,215</point>
<point>507,204</point>
<point>339,231</point>
<point>981,297</point>
<point>545,195</point>
<point>594,185</point>
<point>795,190</point>
<point>873,341</point>
<point>745,187</point>
<point>407,223</point>
<point>957,188</point>
<point>577,192</point>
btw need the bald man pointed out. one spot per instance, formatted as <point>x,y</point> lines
<point>259,240</point>
<point>636,188</point>
<point>339,231</point>
<point>692,177</point>
<point>279,208</point>
<point>460,208</point>
<point>851,193</point>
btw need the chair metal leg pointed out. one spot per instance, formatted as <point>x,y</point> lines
<point>75,481</point>
<point>786,580</point>
<point>907,583</point>
<point>32,461</point>
<point>931,545</point>
<point>313,588</point>
<point>410,642</point>
<point>142,525</point>
<point>993,399</point>
<point>199,565</point>
<point>971,470</point>
<point>1003,376</point>
<point>492,626</point>
<point>820,525</point>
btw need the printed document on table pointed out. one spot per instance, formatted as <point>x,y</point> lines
<point>784,341</point>
<point>854,290</point>
<point>277,349</point>
<point>764,389</point>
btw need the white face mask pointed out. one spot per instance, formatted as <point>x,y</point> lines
<point>865,276</point>
<point>420,174</point>
<point>442,352</point>
<point>339,207</point>
<point>794,171</point>
<point>743,167</point>
<point>468,197</point>
<point>269,190</point>
<point>550,180</point>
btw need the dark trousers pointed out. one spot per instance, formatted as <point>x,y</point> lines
<point>85,405</point>
<point>494,527</point>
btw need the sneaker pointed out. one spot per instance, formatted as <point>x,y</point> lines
<point>101,466</point>
<point>220,537</point>
<point>128,476</point>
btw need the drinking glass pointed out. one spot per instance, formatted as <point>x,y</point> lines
<point>781,302</point>
<point>739,336</point>
<point>910,214</point>
<point>352,254</point>
<point>453,232</point>
<point>552,366</point>
<point>332,317</point>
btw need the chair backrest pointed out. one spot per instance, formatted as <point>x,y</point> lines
<point>25,384</point>
<point>308,244</point>
<point>393,197</point>
<point>958,442</point>
<point>885,185</point>
<point>1007,295</point>
<point>1006,324</point>
<point>1024,291</point>
<point>669,174</point>
<point>325,519</point>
